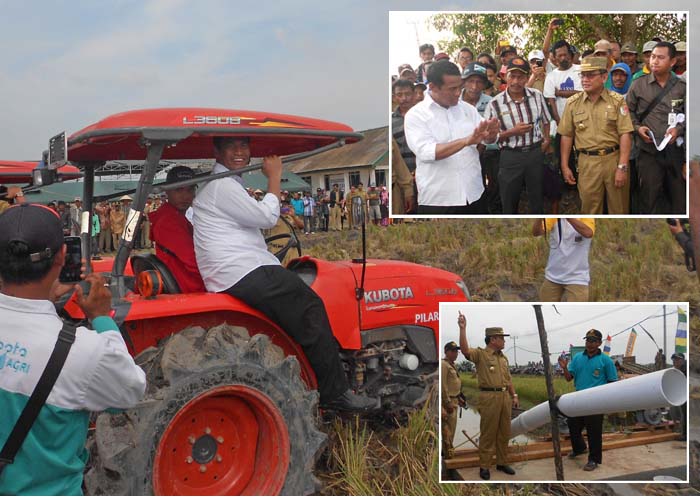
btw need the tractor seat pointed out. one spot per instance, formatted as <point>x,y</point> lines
<point>149,262</point>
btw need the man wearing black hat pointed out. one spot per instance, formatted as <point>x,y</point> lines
<point>496,397</point>
<point>173,233</point>
<point>524,136</point>
<point>587,369</point>
<point>450,389</point>
<point>98,372</point>
<point>680,413</point>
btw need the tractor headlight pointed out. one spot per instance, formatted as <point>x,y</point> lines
<point>464,289</point>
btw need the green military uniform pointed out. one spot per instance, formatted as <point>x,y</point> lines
<point>450,388</point>
<point>493,377</point>
<point>596,128</point>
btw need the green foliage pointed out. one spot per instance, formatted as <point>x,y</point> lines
<point>481,32</point>
<point>531,389</point>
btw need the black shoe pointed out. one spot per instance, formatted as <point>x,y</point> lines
<point>484,474</point>
<point>575,454</point>
<point>591,465</point>
<point>349,401</point>
<point>506,468</point>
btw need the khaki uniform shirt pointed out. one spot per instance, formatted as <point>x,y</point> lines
<point>596,125</point>
<point>491,368</point>
<point>451,384</point>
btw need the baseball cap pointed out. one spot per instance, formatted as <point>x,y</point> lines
<point>535,54</point>
<point>649,46</point>
<point>179,173</point>
<point>258,191</point>
<point>495,331</point>
<point>421,85</point>
<point>520,64</point>
<point>594,64</point>
<point>508,48</point>
<point>602,46</point>
<point>475,68</point>
<point>38,227</point>
<point>677,355</point>
<point>404,67</point>
<point>628,48</point>
<point>451,346</point>
<point>680,46</point>
<point>593,333</point>
<point>441,55</point>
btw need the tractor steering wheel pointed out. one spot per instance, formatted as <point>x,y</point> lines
<point>292,241</point>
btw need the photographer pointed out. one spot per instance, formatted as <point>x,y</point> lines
<point>680,230</point>
<point>98,372</point>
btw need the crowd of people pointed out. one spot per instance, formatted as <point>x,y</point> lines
<point>334,210</point>
<point>478,130</point>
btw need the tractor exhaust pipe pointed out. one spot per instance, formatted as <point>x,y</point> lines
<point>661,388</point>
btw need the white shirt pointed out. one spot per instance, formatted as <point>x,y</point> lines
<point>99,372</point>
<point>568,259</point>
<point>561,80</point>
<point>452,181</point>
<point>228,243</point>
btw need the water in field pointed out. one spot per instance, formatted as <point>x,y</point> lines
<point>469,423</point>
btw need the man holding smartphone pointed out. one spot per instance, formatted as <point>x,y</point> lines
<point>99,372</point>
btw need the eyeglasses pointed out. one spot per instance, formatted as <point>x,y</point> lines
<point>592,339</point>
<point>591,75</point>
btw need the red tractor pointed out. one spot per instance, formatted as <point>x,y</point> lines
<point>231,406</point>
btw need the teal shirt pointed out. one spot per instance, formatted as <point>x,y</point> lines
<point>592,371</point>
<point>53,456</point>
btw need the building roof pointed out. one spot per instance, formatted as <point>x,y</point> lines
<point>369,152</point>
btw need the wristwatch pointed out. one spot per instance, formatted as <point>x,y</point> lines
<point>623,168</point>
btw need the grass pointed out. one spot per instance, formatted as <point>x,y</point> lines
<point>366,459</point>
<point>531,389</point>
<point>631,259</point>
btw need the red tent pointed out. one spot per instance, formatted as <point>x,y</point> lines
<point>20,172</point>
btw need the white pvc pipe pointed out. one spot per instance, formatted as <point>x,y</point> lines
<point>661,388</point>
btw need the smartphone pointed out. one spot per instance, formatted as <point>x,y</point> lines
<point>70,272</point>
<point>558,22</point>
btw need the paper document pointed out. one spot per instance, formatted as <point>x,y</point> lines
<point>680,118</point>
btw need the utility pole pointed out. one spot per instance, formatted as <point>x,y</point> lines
<point>664,319</point>
<point>553,414</point>
<point>515,351</point>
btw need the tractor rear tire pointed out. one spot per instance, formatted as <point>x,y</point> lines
<point>224,413</point>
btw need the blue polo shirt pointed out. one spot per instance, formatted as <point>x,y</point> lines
<point>592,371</point>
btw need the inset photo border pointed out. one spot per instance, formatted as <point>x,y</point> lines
<point>534,113</point>
<point>616,371</point>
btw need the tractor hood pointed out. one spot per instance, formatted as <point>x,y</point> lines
<point>395,293</point>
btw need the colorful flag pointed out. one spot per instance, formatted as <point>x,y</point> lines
<point>606,347</point>
<point>630,343</point>
<point>682,332</point>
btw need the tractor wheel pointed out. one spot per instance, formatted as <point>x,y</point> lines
<point>224,414</point>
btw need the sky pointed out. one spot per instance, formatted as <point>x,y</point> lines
<point>67,64</point>
<point>565,323</point>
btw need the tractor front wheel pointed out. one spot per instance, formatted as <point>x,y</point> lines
<point>224,414</point>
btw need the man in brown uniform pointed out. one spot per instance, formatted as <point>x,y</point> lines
<point>496,397</point>
<point>656,102</point>
<point>598,122</point>
<point>450,388</point>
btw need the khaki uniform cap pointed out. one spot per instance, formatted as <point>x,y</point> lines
<point>594,64</point>
<point>495,331</point>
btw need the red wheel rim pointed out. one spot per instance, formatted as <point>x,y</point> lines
<point>230,440</point>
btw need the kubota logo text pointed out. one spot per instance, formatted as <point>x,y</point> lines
<point>374,296</point>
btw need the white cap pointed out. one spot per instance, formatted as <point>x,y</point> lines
<point>535,54</point>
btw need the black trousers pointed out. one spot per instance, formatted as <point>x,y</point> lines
<point>661,184</point>
<point>594,428</point>
<point>478,207</point>
<point>284,298</point>
<point>516,168</point>
<point>489,171</point>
